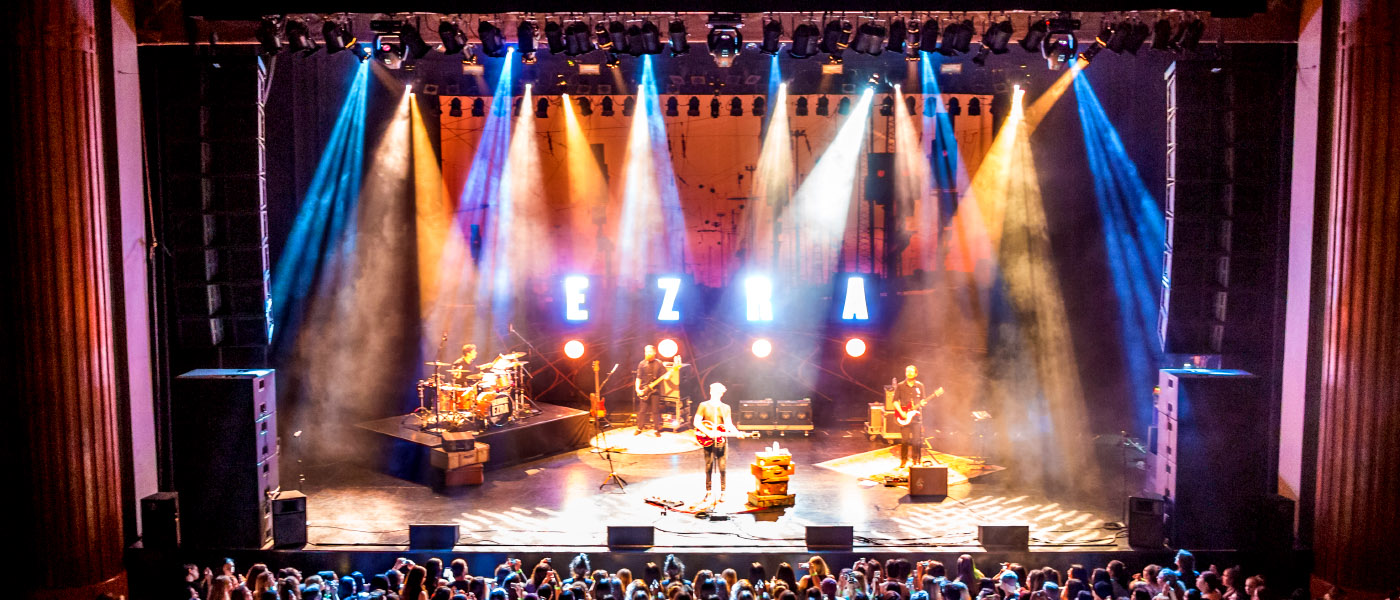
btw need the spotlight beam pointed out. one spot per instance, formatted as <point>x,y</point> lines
<point>823,201</point>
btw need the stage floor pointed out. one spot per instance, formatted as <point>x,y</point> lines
<point>555,503</point>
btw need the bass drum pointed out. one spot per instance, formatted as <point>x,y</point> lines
<point>492,408</point>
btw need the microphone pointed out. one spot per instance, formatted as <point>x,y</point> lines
<point>512,327</point>
<point>614,369</point>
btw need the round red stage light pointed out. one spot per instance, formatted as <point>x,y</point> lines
<point>573,349</point>
<point>668,348</point>
<point>855,347</point>
<point>762,348</point>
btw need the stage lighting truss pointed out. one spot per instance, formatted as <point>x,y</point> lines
<point>1035,34</point>
<point>493,40</point>
<point>1188,33</point>
<point>806,39</point>
<point>413,44</point>
<point>680,38</point>
<point>772,38</point>
<point>724,40</point>
<point>269,35</point>
<point>869,39</point>
<point>898,33</point>
<point>957,38</point>
<point>928,36</point>
<point>994,41</point>
<point>526,41</point>
<point>1100,42</point>
<point>1059,44</point>
<point>913,39</point>
<point>337,35</point>
<point>554,37</point>
<point>612,37</point>
<point>388,50</point>
<point>644,38</point>
<point>578,39</point>
<point>299,38</point>
<point>836,37</point>
<point>454,40</point>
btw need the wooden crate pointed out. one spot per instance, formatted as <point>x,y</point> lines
<point>758,501</point>
<point>773,459</point>
<point>441,459</point>
<point>772,488</point>
<point>468,475</point>
<point>773,473</point>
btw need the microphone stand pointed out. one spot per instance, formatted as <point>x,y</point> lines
<point>601,434</point>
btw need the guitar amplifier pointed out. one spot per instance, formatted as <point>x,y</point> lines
<point>755,415</point>
<point>793,415</point>
<point>876,423</point>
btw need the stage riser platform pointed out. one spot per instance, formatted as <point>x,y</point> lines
<point>401,449</point>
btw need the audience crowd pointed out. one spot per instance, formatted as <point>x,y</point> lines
<point>867,579</point>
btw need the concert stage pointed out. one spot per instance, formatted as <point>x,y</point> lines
<point>405,448</point>
<point>555,503</point>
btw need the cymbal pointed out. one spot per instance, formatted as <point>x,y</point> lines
<point>438,364</point>
<point>459,371</point>
<point>512,355</point>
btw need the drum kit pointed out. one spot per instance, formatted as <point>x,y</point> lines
<point>475,397</point>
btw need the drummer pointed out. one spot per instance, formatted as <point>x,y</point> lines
<point>462,368</point>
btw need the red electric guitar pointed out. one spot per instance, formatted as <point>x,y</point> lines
<point>719,432</point>
<point>909,415</point>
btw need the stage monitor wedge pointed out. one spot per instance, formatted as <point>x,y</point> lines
<point>830,537</point>
<point>1004,536</point>
<point>424,536</point>
<point>631,536</point>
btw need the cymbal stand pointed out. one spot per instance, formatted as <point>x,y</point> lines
<point>602,435</point>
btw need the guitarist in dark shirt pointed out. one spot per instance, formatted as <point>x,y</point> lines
<point>908,405</point>
<point>648,394</point>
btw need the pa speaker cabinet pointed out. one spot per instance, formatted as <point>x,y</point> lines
<point>432,537</point>
<point>830,537</point>
<point>631,536</point>
<point>160,520</point>
<point>289,520</point>
<point>1145,522</point>
<point>224,450</point>
<point>928,481</point>
<point>1214,467</point>
<point>1004,536</point>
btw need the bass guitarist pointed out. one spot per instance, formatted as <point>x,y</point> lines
<point>909,403</point>
<point>649,372</point>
